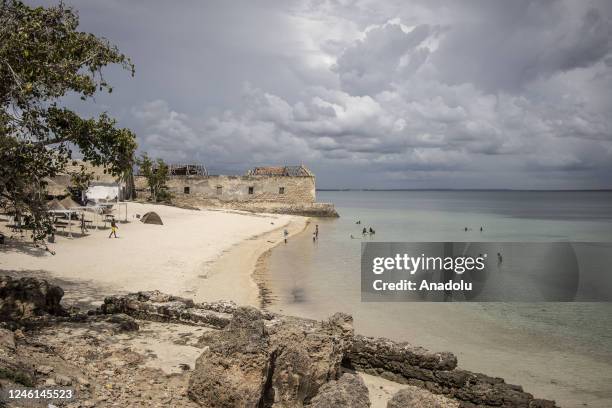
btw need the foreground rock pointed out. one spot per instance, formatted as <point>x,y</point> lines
<point>249,358</point>
<point>413,397</point>
<point>234,369</point>
<point>158,306</point>
<point>436,373</point>
<point>370,352</point>
<point>299,369</point>
<point>348,391</point>
<point>282,365</point>
<point>161,307</point>
<point>28,298</point>
<point>308,354</point>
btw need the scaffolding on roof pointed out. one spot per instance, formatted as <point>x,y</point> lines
<point>287,171</point>
<point>187,170</point>
<point>181,169</point>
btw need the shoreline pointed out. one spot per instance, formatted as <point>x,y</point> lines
<point>249,257</point>
<point>261,269</point>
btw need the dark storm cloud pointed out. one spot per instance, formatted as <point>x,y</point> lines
<point>519,41</point>
<point>511,94</point>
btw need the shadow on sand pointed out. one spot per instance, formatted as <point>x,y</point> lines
<point>82,294</point>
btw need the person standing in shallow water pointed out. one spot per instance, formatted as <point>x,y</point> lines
<point>317,231</point>
<point>114,228</point>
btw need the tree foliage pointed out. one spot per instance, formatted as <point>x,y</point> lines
<point>157,174</point>
<point>43,57</point>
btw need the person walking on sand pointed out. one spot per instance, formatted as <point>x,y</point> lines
<point>317,231</point>
<point>114,228</point>
<point>83,225</point>
<point>285,234</point>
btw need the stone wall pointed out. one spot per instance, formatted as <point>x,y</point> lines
<point>278,189</point>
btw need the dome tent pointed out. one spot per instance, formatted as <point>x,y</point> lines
<point>151,218</point>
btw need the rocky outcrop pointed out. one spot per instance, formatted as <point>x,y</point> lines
<point>414,397</point>
<point>308,354</point>
<point>435,372</point>
<point>27,298</point>
<point>236,366</point>
<point>284,361</point>
<point>158,306</point>
<point>348,391</point>
<point>123,323</point>
<point>7,341</point>
<point>281,364</point>
<point>307,210</point>
<point>12,370</point>
<point>381,353</point>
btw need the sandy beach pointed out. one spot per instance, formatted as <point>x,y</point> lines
<point>178,257</point>
<point>204,255</point>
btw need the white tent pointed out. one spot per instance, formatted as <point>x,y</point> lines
<point>102,193</point>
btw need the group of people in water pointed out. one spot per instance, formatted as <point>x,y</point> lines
<point>365,231</point>
<point>466,229</point>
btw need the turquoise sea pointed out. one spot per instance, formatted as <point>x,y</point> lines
<point>561,351</point>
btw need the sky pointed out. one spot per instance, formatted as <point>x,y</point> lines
<point>368,93</point>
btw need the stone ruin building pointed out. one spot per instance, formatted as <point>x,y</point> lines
<point>283,189</point>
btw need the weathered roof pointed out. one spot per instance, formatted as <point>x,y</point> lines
<point>290,171</point>
<point>267,171</point>
<point>298,171</point>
